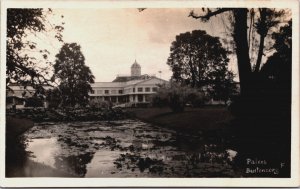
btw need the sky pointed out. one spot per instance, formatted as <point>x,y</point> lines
<point>112,39</point>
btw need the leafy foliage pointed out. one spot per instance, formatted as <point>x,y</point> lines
<point>33,102</point>
<point>73,76</point>
<point>277,71</point>
<point>176,96</point>
<point>273,82</point>
<point>53,97</point>
<point>21,66</point>
<point>199,60</point>
<point>251,27</point>
<point>268,19</point>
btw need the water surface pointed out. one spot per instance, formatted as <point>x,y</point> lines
<point>127,148</point>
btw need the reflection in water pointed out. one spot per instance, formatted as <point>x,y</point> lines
<point>74,164</point>
<point>127,148</point>
<point>101,165</point>
<point>45,150</point>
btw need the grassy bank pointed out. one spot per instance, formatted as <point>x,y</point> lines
<point>15,149</point>
<point>17,126</point>
<point>191,120</point>
<point>68,114</point>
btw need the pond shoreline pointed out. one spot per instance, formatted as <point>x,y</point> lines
<point>68,115</point>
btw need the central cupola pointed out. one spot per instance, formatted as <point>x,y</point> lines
<point>135,69</point>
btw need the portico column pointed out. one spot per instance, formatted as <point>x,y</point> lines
<point>144,98</point>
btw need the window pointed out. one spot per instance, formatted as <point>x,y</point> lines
<point>106,91</point>
<point>140,89</point>
<point>120,91</point>
<point>133,90</point>
<point>147,89</point>
<point>147,98</point>
<point>92,92</point>
<point>113,99</point>
<point>154,89</point>
<point>140,98</point>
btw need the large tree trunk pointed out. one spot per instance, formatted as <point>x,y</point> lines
<point>260,53</point>
<point>263,33</point>
<point>242,50</point>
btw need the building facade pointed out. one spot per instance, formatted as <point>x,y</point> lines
<point>132,89</point>
<point>128,90</point>
<point>17,95</point>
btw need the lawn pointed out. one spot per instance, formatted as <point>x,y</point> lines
<point>192,119</point>
<point>17,126</point>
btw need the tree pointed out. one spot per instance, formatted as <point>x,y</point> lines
<point>278,66</point>
<point>276,72</point>
<point>21,67</point>
<point>223,88</point>
<point>73,76</point>
<point>258,109</point>
<point>199,60</point>
<point>268,18</point>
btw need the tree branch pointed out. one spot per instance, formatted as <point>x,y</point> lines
<point>209,14</point>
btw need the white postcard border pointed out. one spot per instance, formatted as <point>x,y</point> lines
<point>162,182</point>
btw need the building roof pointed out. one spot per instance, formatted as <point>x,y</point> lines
<point>133,82</point>
<point>20,87</point>
<point>15,87</point>
<point>129,78</point>
<point>108,84</point>
<point>115,84</point>
<point>122,84</point>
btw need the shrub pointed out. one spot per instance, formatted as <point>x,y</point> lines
<point>54,98</point>
<point>100,104</point>
<point>33,102</point>
<point>177,96</point>
<point>196,98</point>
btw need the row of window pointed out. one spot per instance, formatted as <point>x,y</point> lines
<point>139,89</point>
<point>108,91</point>
<point>147,89</point>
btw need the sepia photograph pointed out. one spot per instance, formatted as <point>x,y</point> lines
<point>143,90</point>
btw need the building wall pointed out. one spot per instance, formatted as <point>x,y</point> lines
<point>128,92</point>
<point>18,94</point>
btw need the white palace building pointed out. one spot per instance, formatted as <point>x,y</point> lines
<point>132,89</point>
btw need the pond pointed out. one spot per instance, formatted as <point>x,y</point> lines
<point>127,148</point>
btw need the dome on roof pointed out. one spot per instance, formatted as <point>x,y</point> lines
<point>135,65</point>
<point>135,69</point>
